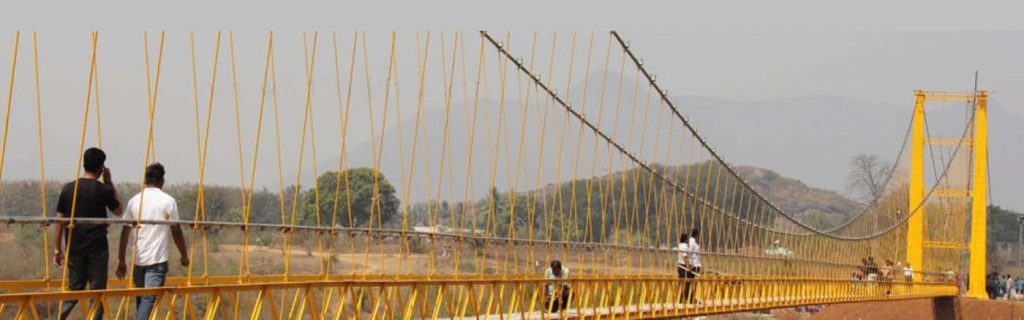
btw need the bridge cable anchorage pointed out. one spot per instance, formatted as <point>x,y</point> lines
<point>703,141</point>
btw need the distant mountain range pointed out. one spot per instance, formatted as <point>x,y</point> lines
<point>811,139</point>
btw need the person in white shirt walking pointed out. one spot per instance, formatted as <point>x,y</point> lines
<point>558,293</point>
<point>683,265</point>
<point>694,253</point>
<point>682,261</point>
<point>908,273</point>
<point>694,265</point>
<point>150,269</point>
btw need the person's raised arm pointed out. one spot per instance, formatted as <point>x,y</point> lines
<point>113,203</point>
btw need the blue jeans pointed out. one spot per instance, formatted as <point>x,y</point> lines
<point>147,277</point>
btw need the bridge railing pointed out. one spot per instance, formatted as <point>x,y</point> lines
<point>325,251</point>
<point>645,297</point>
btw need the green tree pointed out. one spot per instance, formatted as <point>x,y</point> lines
<point>359,188</point>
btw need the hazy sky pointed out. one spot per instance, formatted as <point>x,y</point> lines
<point>801,15</point>
<point>876,51</point>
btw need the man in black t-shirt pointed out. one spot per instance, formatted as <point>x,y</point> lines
<point>87,251</point>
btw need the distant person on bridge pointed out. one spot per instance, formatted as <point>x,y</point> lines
<point>683,264</point>
<point>88,253</point>
<point>857,275</point>
<point>991,285</point>
<point>863,269</point>
<point>683,261</point>
<point>908,272</point>
<point>1009,287</point>
<point>692,251</point>
<point>558,293</point>
<point>872,269</point>
<point>150,268</point>
<point>1019,286</point>
<point>887,270</point>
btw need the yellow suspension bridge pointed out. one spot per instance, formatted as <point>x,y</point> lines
<point>558,146</point>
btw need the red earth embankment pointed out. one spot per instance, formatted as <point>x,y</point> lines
<point>970,309</point>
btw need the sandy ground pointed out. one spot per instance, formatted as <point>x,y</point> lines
<point>6,237</point>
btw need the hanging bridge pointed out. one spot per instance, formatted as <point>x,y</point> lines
<point>449,187</point>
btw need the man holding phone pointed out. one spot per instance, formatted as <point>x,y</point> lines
<point>87,250</point>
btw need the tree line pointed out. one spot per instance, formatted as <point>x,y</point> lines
<point>630,206</point>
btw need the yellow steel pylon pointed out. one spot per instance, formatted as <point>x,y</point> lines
<point>978,188</point>
<point>915,225</point>
<point>979,200</point>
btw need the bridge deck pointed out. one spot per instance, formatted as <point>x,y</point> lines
<point>664,310</point>
<point>655,297</point>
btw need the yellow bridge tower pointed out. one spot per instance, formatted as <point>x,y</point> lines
<point>976,191</point>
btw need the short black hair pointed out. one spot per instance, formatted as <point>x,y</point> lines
<point>556,268</point>
<point>93,160</point>
<point>155,173</point>
<point>694,233</point>
<point>683,237</point>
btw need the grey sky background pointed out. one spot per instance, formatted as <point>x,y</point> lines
<point>873,51</point>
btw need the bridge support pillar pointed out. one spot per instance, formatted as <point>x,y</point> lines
<point>979,201</point>
<point>915,224</point>
<point>945,308</point>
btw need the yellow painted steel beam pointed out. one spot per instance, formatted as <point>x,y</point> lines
<point>979,200</point>
<point>915,224</point>
<point>948,96</point>
<point>951,193</point>
<point>938,141</point>
<point>945,245</point>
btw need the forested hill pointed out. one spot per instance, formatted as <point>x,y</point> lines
<point>1003,239</point>
<point>818,207</point>
<point>612,202</point>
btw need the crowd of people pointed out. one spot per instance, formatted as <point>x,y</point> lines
<point>1004,287</point>
<point>890,271</point>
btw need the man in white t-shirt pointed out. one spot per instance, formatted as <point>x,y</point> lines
<point>682,260</point>
<point>692,258</point>
<point>694,252</point>
<point>150,266</point>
